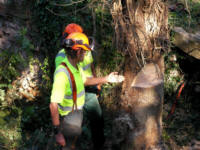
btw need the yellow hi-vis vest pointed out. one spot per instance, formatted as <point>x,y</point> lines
<point>85,64</point>
<point>62,88</point>
<point>60,57</point>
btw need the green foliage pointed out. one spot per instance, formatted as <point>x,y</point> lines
<point>9,63</point>
<point>174,19</point>
<point>13,62</point>
<point>46,80</point>
<point>173,76</point>
<point>24,42</point>
<point>185,18</point>
<point>2,98</point>
<point>35,125</point>
<point>165,136</point>
<point>10,127</point>
<point>111,59</point>
<point>26,117</point>
<point>36,140</point>
<point>49,26</point>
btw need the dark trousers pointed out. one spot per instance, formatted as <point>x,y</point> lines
<point>92,111</point>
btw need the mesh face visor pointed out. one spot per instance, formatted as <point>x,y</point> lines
<point>76,43</point>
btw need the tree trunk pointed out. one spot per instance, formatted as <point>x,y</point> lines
<point>142,35</point>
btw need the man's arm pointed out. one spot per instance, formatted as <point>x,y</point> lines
<point>57,95</point>
<point>95,81</point>
<point>54,113</point>
<point>56,122</point>
<point>111,78</point>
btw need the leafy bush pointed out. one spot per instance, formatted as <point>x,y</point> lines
<point>186,18</point>
<point>9,63</point>
<point>24,42</point>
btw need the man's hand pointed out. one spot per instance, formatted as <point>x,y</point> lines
<point>60,139</point>
<point>115,78</point>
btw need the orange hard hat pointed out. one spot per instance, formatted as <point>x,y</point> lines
<point>77,40</point>
<point>72,27</point>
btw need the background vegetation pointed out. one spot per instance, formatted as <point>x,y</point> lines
<point>26,124</point>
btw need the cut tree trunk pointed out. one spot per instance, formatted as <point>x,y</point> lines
<point>142,35</point>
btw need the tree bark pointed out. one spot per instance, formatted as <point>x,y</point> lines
<point>142,35</point>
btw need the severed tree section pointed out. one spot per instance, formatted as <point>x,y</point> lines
<point>142,35</point>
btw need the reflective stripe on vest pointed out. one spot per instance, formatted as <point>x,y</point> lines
<point>86,67</point>
<point>67,108</point>
<point>67,73</point>
<point>78,95</point>
<point>61,54</point>
<point>60,57</point>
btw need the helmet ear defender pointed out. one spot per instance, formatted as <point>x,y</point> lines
<point>63,39</point>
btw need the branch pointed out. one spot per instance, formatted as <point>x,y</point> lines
<point>94,23</point>
<point>64,15</point>
<point>67,4</point>
<point>188,10</point>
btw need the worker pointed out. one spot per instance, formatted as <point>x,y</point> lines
<point>92,109</point>
<point>68,94</point>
